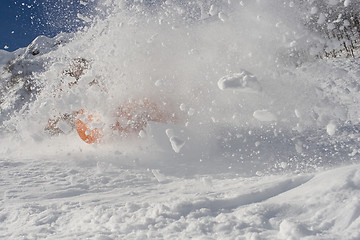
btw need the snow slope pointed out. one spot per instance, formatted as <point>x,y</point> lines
<point>89,198</point>
<point>265,146</point>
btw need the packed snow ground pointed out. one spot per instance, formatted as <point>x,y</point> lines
<point>266,145</point>
<point>91,199</point>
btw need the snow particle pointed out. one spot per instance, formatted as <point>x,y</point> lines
<point>158,83</point>
<point>314,10</point>
<point>213,10</point>
<point>264,116</point>
<point>176,144</point>
<point>222,16</point>
<point>331,128</point>
<point>182,107</point>
<point>284,165</point>
<point>191,111</point>
<point>297,113</point>
<point>142,134</point>
<point>243,81</point>
<point>159,176</point>
<point>169,132</point>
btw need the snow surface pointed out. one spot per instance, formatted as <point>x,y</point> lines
<point>87,198</point>
<point>265,144</point>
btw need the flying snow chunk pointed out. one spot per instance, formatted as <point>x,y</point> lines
<point>159,176</point>
<point>213,10</point>
<point>169,133</point>
<point>182,107</point>
<point>331,128</point>
<point>243,82</point>
<point>176,144</point>
<point>222,16</point>
<point>264,116</point>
